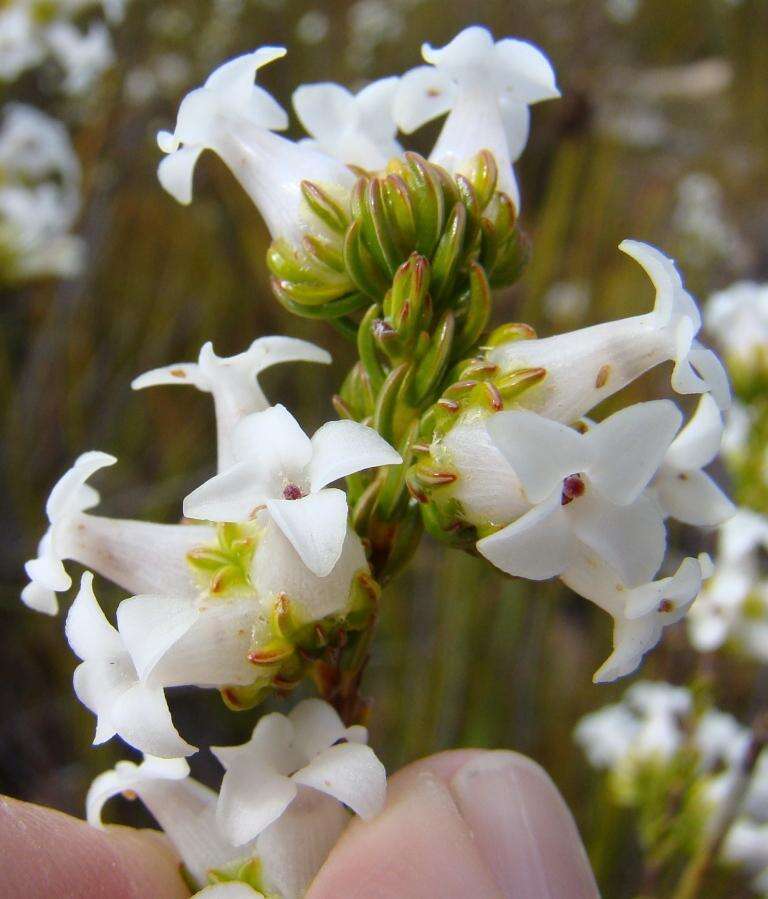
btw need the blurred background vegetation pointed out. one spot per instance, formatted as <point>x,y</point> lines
<point>661,135</point>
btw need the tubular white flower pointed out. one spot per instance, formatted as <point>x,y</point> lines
<point>233,380</point>
<point>184,808</point>
<point>290,851</point>
<point>586,366</point>
<point>357,128</point>
<point>263,776</point>
<point>279,469</point>
<point>641,613</point>
<point>107,683</point>
<point>236,119</point>
<point>586,490</point>
<point>486,87</point>
<point>684,491</point>
<point>69,497</point>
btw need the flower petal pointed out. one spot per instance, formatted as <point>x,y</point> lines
<point>127,776</point>
<point>324,109</point>
<point>537,546</point>
<point>523,71</point>
<point>293,848</point>
<point>340,448</point>
<point>712,373</point>
<point>316,726</point>
<point>631,539</point>
<point>141,717</point>
<point>316,526</point>
<point>351,773</point>
<point>178,373</point>
<point>693,497</point>
<point>274,441</point>
<point>176,170</point>
<point>87,630</point>
<point>39,598</point>
<point>542,452</point>
<point>234,495</point>
<point>628,448</point>
<point>69,495</point>
<point>423,94</point>
<point>699,441</point>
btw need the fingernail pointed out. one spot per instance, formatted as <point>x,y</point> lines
<point>522,828</point>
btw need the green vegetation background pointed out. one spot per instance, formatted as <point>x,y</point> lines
<point>463,656</point>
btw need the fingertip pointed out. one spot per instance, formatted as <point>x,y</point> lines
<point>46,853</point>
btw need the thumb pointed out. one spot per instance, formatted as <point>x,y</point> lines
<point>46,853</point>
<point>467,823</point>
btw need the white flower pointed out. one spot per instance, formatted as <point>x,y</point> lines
<point>586,490</point>
<point>586,366</point>
<point>236,119</point>
<point>70,497</point>
<point>281,470</point>
<point>737,318</point>
<point>607,735</point>
<point>35,146</point>
<point>233,380</point>
<point>640,613</point>
<point>84,56</point>
<point>486,88</point>
<point>738,424</point>
<point>720,739</point>
<point>356,128</point>
<point>718,614</point>
<point>263,776</point>
<point>20,45</point>
<point>107,683</point>
<point>747,844</point>
<point>684,491</point>
<point>290,851</point>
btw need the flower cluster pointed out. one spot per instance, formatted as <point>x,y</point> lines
<point>32,31</point>
<point>39,196</point>
<point>655,742</point>
<point>482,439</point>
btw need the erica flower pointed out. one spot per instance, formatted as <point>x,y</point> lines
<point>236,119</point>
<point>586,366</point>
<point>69,498</point>
<point>107,683</point>
<point>356,128</point>
<point>233,381</point>
<point>684,491</point>
<point>308,748</point>
<point>280,470</point>
<point>586,490</point>
<point>486,88</point>
<point>640,613</point>
<point>283,859</point>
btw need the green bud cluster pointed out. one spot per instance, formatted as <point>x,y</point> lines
<point>405,265</point>
<point>224,569</point>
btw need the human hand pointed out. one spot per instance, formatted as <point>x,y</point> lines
<point>467,823</point>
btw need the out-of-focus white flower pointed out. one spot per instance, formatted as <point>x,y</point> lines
<point>641,613</point>
<point>280,470</point>
<point>236,119</point>
<point>308,748</point>
<point>356,128</point>
<point>289,852</point>
<point>738,423</point>
<point>606,736</point>
<point>233,380</point>
<point>586,366</point>
<point>83,55</point>
<point>107,683</point>
<point>684,491</point>
<point>747,844</point>
<point>39,196</point>
<point>647,725</point>
<point>20,44</point>
<point>586,490</point>
<point>313,27</point>
<point>701,218</point>
<point>721,612</point>
<point>737,318</point>
<point>69,498</point>
<point>487,88</point>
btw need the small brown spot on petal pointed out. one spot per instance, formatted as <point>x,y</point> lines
<point>666,605</point>
<point>602,376</point>
<point>433,92</point>
<point>178,373</point>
